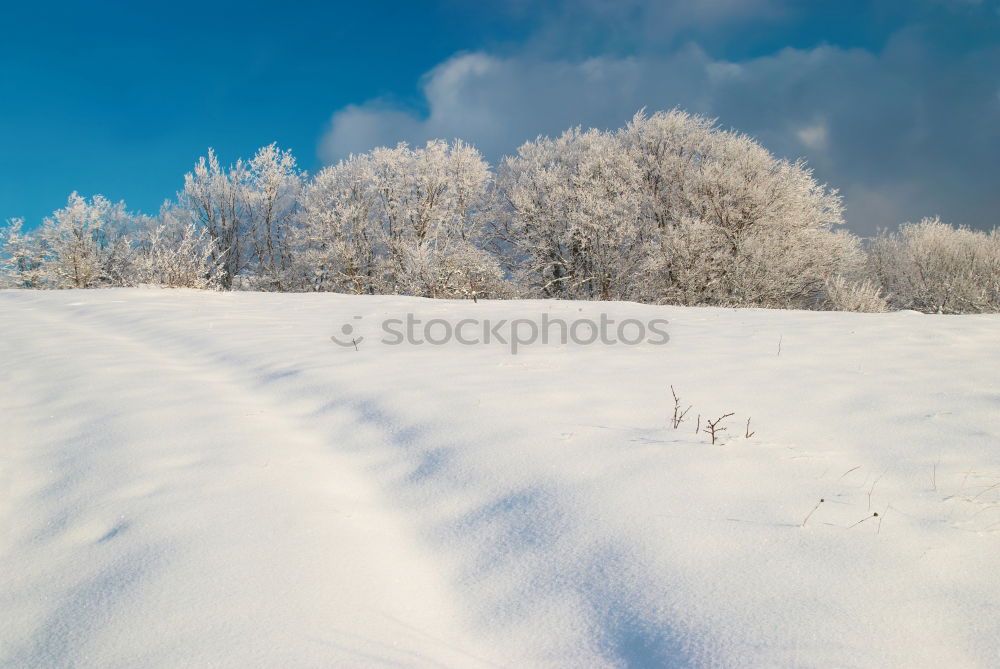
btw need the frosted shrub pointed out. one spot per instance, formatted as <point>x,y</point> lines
<point>23,258</point>
<point>177,255</point>
<point>85,244</point>
<point>789,269</point>
<point>463,272</point>
<point>94,243</point>
<point>842,294</point>
<point>936,268</point>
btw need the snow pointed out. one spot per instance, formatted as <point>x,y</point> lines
<point>205,479</point>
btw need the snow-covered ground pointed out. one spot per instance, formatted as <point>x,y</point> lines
<point>198,479</point>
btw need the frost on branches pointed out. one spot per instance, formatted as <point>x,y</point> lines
<point>571,227</point>
<point>82,245</point>
<point>402,221</point>
<point>95,243</point>
<point>172,251</point>
<point>247,210</point>
<point>669,209</point>
<point>932,267</point>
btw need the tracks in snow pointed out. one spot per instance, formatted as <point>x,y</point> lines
<point>170,495</point>
<point>388,519</point>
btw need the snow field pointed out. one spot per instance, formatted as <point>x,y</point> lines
<point>205,479</point>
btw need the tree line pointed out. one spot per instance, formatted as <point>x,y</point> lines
<point>670,209</point>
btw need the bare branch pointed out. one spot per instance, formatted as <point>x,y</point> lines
<point>678,414</point>
<point>713,426</point>
<point>809,515</point>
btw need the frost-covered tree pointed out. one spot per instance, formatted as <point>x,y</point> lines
<point>337,240</point>
<point>670,208</point>
<point>86,244</point>
<point>933,267</point>
<point>22,261</point>
<point>95,243</point>
<point>215,199</point>
<point>212,195</point>
<point>668,149</point>
<point>571,223</point>
<point>170,251</point>
<point>400,220</point>
<point>735,225</point>
<point>247,210</point>
<point>429,208</point>
<point>272,190</point>
<point>694,170</point>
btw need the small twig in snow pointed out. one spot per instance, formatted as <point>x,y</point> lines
<point>992,487</point>
<point>678,414</point>
<point>879,528</point>
<point>809,515</point>
<point>849,471</point>
<point>872,489</point>
<point>964,479</point>
<point>874,515</point>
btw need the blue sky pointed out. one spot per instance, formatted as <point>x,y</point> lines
<point>895,103</point>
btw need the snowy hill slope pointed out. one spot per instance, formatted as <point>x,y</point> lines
<point>206,479</point>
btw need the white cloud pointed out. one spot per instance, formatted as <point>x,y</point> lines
<point>813,136</point>
<point>496,103</point>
